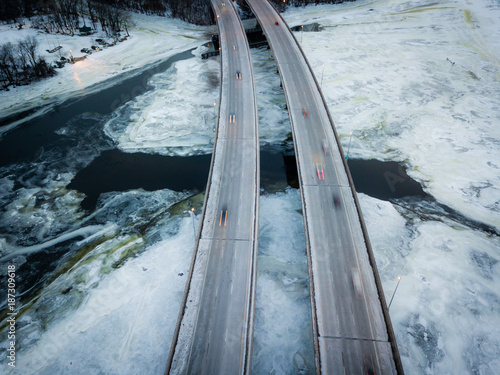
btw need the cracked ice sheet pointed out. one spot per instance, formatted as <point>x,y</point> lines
<point>125,323</point>
<point>281,344</point>
<point>445,312</point>
<point>176,117</point>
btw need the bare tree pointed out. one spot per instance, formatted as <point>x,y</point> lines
<point>65,16</point>
<point>21,58</point>
<point>7,71</point>
<point>28,47</point>
<point>91,8</point>
<point>101,15</point>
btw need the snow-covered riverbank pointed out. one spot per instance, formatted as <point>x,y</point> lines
<point>152,39</point>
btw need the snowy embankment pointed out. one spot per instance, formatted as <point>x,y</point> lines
<point>418,83</point>
<point>152,39</point>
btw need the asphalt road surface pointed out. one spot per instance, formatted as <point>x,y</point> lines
<point>215,333</point>
<point>351,335</point>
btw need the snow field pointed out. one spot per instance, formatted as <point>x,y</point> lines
<point>152,39</point>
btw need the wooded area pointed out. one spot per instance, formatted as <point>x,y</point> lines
<point>195,11</point>
<point>20,63</point>
<point>66,12</point>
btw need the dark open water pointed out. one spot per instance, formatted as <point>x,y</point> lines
<point>70,138</point>
<point>113,170</point>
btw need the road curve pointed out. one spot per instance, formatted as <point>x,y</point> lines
<point>352,329</point>
<point>215,325</point>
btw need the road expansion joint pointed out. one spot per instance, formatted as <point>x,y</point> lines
<point>224,239</point>
<point>249,138</point>
<point>351,338</point>
<point>326,184</point>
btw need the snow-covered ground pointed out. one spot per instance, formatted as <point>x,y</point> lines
<point>152,39</point>
<point>387,79</point>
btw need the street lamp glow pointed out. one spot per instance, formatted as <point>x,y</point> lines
<point>322,72</point>
<point>399,279</point>
<point>194,228</point>
<point>348,148</point>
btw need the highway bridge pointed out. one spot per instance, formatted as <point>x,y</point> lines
<point>352,329</point>
<point>215,326</point>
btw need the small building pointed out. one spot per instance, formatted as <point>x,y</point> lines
<point>85,30</point>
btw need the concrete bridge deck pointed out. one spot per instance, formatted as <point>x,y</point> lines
<point>215,327</point>
<point>352,329</point>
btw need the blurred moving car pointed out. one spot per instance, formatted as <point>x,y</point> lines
<point>223,217</point>
<point>356,281</point>
<point>326,147</point>
<point>336,201</point>
<point>320,171</point>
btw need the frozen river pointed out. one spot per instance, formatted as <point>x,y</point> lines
<point>100,283</point>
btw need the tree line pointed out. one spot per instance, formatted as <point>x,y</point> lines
<point>66,11</point>
<point>67,16</point>
<point>107,12</point>
<point>20,63</point>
